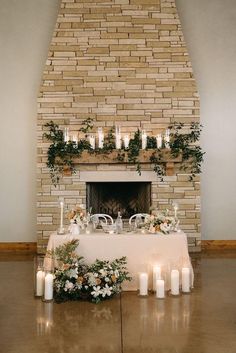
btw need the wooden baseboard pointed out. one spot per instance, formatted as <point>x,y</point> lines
<point>21,247</point>
<point>218,244</point>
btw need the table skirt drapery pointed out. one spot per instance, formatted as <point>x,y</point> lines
<point>168,251</point>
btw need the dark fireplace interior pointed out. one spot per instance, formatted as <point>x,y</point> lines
<point>127,197</point>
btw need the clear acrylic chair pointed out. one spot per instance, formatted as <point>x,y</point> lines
<point>137,219</point>
<point>101,218</point>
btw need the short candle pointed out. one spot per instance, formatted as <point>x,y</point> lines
<point>143,283</point>
<point>186,279</point>
<point>174,282</point>
<point>160,289</point>
<point>156,272</point>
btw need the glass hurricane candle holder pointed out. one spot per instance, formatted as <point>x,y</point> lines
<point>39,276</point>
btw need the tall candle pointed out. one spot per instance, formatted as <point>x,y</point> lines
<point>143,283</point>
<point>159,141</point>
<point>160,289</point>
<point>167,138</point>
<point>144,140</point>
<point>61,218</point>
<point>40,283</point>
<point>100,137</point>
<point>185,279</point>
<point>126,141</point>
<point>66,134</point>
<point>48,287</point>
<point>156,273</point>
<point>92,141</point>
<point>118,137</point>
<point>174,282</point>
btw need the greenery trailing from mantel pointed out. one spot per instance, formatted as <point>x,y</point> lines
<point>61,154</point>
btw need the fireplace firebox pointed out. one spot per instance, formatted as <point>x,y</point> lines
<point>110,197</point>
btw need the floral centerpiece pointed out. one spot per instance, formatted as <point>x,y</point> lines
<point>74,280</point>
<point>160,222</point>
<point>77,216</point>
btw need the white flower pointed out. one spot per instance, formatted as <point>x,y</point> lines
<point>96,291</point>
<point>72,273</point>
<point>92,279</point>
<point>116,273</point>
<point>103,272</point>
<point>107,279</point>
<point>106,291</point>
<point>68,286</point>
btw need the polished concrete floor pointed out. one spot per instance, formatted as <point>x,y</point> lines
<point>203,322</point>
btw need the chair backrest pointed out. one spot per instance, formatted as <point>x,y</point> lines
<point>137,215</point>
<point>102,216</point>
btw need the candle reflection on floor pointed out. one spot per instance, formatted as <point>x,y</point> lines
<point>44,318</point>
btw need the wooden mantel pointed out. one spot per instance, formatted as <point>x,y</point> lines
<point>87,158</point>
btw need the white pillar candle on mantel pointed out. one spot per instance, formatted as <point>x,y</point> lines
<point>186,279</point>
<point>75,138</point>
<point>48,287</point>
<point>156,273</point>
<point>92,141</point>
<point>66,134</point>
<point>143,283</point>
<point>126,141</point>
<point>167,138</point>
<point>174,277</point>
<point>40,276</point>
<point>159,140</point>
<point>118,138</point>
<point>160,289</point>
<point>144,140</point>
<point>100,137</point>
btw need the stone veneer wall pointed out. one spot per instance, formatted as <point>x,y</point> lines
<point>119,61</point>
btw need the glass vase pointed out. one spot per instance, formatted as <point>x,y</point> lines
<point>39,276</point>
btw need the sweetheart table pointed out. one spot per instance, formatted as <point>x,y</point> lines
<point>168,251</point>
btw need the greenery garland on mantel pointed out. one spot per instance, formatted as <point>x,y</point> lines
<point>61,154</point>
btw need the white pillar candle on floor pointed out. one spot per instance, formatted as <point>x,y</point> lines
<point>174,276</point>
<point>160,288</point>
<point>48,287</point>
<point>40,276</point>
<point>126,141</point>
<point>92,141</point>
<point>144,140</point>
<point>100,137</point>
<point>159,141</point>
<point>186,279</point>
<point>143,283</point>
<point>156,273</point>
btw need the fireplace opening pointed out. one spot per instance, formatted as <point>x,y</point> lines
<point>110,197</point>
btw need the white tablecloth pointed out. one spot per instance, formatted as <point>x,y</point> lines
<point>142,252</point>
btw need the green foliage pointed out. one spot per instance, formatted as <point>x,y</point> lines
<point>185,144</point>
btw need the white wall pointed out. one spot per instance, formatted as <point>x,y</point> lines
<point>209,27</point>
<point>25,32</point>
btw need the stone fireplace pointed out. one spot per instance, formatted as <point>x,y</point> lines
<point>125,62</point>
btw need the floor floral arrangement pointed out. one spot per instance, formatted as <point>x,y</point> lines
<point>75,280</point>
